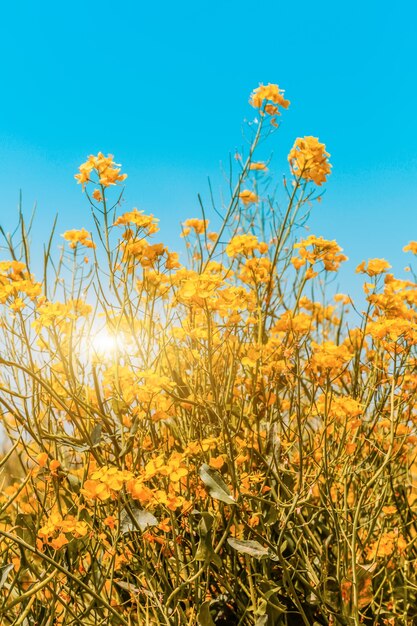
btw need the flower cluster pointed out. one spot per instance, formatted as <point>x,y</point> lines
<point>374,267</point>
<point>107,171</point>
<point>317,249</point>
<point>309,160</point>
<point>258,167</point>
<point>137,219</point>
<point>245,244</point>
<point>248,197</point>
<point>199,226</point>
<point>17,286</point>
<point>271,97</point>
<point>76,237</point>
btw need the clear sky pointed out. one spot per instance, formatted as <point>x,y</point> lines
<point>164,86</point>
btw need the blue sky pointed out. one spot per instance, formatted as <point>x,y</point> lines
<point>164,87</point>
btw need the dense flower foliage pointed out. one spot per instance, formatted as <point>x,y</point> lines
<point>208,436</point>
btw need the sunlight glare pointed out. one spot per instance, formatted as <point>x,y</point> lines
<point>104,343</point>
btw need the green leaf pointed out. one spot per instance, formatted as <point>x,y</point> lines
<point>74,483</point>
<point>215,484</point>
<point>131,588</point>
<point>142,519</point>
<point>205,550</point>
<point>204,616</point>
<point>25,528</point>
<point>75,547</point>
<point>253,548</point>
<point>95,435</point>
<point>4,572</point>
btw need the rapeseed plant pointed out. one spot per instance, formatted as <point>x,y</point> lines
<point>203,442</point>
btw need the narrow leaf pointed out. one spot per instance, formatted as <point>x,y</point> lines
<point>142,520</point>
<point>95,435</point>
<point>253,548</point>
<point>4,572</point>
<point>215,484</point>
<point>204,616</point>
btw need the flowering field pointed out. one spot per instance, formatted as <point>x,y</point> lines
<point>220,440</point>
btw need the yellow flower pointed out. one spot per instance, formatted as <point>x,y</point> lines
<point>256,270</point>
<point>53,466</point>
<point>242,244</point>
<point>139,491</point>
<point>386,544</point>
<point>76,237</point>
<point>146,254</point>
<point>199,226</point>
<point>110,521</point>
<point>258,167</point>
<point>309,160</point>
<point>328,356</point>
<point>107,171</point>
<point>411,247</point>
<point>216,462</point>
<point>94,490</point>
<point>314,249</point>
<point>60,541</point>
<point>269,93</point>
<point>389,510</point>
<point>298,324</point>
<point>97,195</point>
<point>137,218</point>
<point>42,459</point>
<point>54,531</point>
<point>374,267</point>
<point>248,197</point>
<point>15,283</point>
<point>172,262</point>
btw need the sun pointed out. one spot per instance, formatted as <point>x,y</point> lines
<point>106,344</point>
